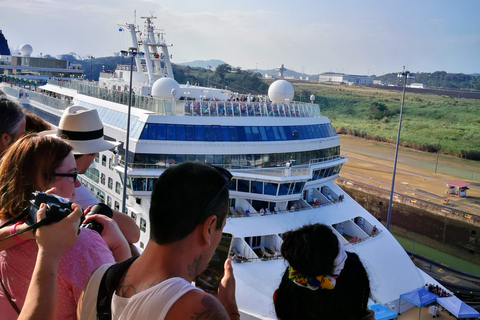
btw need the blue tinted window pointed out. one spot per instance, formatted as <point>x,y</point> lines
<point>288,133</point>
<point>233,133</point>
<point>225,135</point>
<point>276,133</point>
<point>241,134</point>
<point>244,185</point>
<point>256,134</point>
<point>161,132</point>
<point>248,133</point>
<point>171,135</point>
<point>283,191</point>
<point>271,188</point>
<point>301,135</point>
<point>217,134</point>
<point>199,133</point>
<point>189,133</point>
<point>180,132</point>
<point>323,131</point>
<point>332,130</point>
<point>207,131</point>
<point>298,187</point>
<point>315,174</point>
<point>283,134</point>
<point>270,135</point>
<point>257,187</point>
<point>316,131</point>
<point>152,134</point>
<point>144,134</point>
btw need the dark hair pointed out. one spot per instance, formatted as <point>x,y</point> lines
<point>12,114</point>
<point>311,251</point>
<point>34,123</point>
<point>28,165</point>
<point>183,197</point>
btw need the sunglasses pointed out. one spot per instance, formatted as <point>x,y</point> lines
<point>228,177</point>
<point>71,175</point>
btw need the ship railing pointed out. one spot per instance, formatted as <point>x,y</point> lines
<point>250,109</point>
<point>175,107</point>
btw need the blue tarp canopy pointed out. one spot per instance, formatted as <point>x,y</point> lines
<point>419,297</point>
<point>382,312</point>
<point>457,307</point>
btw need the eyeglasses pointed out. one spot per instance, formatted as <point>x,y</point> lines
<point>71,175</point>
<point>228,177</point>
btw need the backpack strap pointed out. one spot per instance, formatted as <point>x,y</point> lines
<point>108,285</point>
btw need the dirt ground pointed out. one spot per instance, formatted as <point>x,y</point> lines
<point>417,182</point>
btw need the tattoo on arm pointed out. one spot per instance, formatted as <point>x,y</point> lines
<point>125,289</point>
<point>212,310</point>
<point>193,268</point>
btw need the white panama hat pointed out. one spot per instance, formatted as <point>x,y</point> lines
<point>83,130</point>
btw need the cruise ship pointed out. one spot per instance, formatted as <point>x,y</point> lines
<point>284,157</point>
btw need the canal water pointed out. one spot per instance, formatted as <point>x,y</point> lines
<point>438,256</point>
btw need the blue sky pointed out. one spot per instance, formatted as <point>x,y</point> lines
<point>350,36</point>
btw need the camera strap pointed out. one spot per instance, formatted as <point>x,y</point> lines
<point>33,227</point>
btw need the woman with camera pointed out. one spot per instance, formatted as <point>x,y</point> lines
<point>39,163</point>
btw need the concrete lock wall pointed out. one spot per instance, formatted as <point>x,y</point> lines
<point>446,229</point>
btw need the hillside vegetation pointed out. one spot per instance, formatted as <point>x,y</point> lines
<point>430,122</point>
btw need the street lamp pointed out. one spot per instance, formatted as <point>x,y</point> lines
<point>404,74</point>
<point>132,52</point>
<point>91,62</point>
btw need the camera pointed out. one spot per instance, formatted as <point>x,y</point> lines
<point>99,208</point>
<point>57,207</point>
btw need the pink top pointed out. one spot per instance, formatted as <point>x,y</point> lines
<point>76,265</point>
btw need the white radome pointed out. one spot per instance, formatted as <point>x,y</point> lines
<point>281,91</point>
<point>26,50</point>
<point>165,88</point>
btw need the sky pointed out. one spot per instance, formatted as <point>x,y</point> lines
<point>367,37</point>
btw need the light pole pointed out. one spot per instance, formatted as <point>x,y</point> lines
<point>91,62</point>
<point>132,52</point>
<point>404,74</point>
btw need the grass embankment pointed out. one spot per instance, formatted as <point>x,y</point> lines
<point>429,121</point>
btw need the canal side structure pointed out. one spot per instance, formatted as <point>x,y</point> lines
<point>450,230</point>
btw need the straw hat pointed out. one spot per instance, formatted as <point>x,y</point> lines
<point>83,130</point>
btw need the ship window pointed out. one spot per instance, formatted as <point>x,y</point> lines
<point>225,134</point>
<point>180,132</point>
<point>171,132</point>
<point>233,133</point>
<point>152,131</point>
<point>241,134</point>
<point>315,174</point>
<point>208,135</point>
<point>233,185</point>
<point>276,133</point>
<point>150,183</point>
<point>139,184</point>
<point>301,134</point>
<point>209,158</point>
<point>161,132</point>
<point>170,159</point>
<point>117,206</point>
<point>144,133</point>
<point>138,201</point>
<point>102,178</point>
<point>109,201</point>
<point>134,216</point>
<point>117,187</point>
<point>298,187</point>
<point>283,190</point>
<point>256,134</point>
<point>200,157</point>
<point>199,133</point>
<point>96,158</point>
<point>110,183</point>
<point>244,185</point>
<point>257,187</point>
<point>217,159</point>
<point>104,160</point>
<point>269,134</point>
<point>271,188</point>
<point>248,133</point>
<point>217,134</point>
<point>110,163</point>
<point>143,225</point>
<point>179,158</point>
<point>189,133</point>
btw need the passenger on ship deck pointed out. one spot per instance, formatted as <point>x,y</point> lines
<point>83,130</point>
<point>12,123</point>
<point>322,281</point>
<point>189,205</point>
<point>46,163</point>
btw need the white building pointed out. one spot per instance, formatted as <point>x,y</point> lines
<point>344,78</point>
<point>416,85</point>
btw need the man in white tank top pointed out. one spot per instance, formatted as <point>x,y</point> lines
<point>188,211</point>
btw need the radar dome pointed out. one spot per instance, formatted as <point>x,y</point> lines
<point>281,91</point>
<point>165,88</point>
<point>26,50</point>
